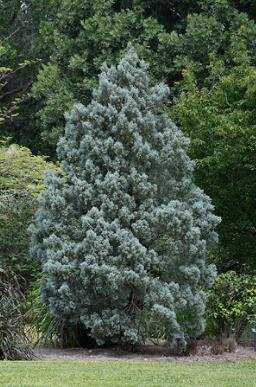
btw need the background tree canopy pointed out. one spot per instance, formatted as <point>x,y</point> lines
<point>82,36</point>
<point>69,40</point>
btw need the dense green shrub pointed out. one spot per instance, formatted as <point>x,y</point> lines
<point>231,304</point>
<point>13,340</point>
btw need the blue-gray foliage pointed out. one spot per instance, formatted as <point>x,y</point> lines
<point>123,236</point>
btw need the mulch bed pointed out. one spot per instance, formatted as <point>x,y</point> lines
<point>147,353</point>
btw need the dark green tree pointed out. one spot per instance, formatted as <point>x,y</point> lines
<point>20,56</point>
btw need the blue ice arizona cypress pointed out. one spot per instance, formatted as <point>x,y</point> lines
<point>123,236</point>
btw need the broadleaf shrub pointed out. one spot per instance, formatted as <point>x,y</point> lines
<point>231,304</point>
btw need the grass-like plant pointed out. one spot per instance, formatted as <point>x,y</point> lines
<point>14,344</point>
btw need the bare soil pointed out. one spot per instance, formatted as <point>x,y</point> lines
<point>147,353</point>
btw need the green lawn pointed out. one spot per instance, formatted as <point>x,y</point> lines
<point>126,373</point>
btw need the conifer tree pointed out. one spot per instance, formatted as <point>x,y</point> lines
<point>123,235</point>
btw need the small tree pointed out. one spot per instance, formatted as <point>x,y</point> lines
<point>123,236</point>
<point>21,180</point>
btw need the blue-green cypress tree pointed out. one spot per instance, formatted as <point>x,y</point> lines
<point>123,235</point>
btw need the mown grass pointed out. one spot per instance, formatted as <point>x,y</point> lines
<point>126,373</point>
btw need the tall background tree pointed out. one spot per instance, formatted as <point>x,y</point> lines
<point>220,120</point>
